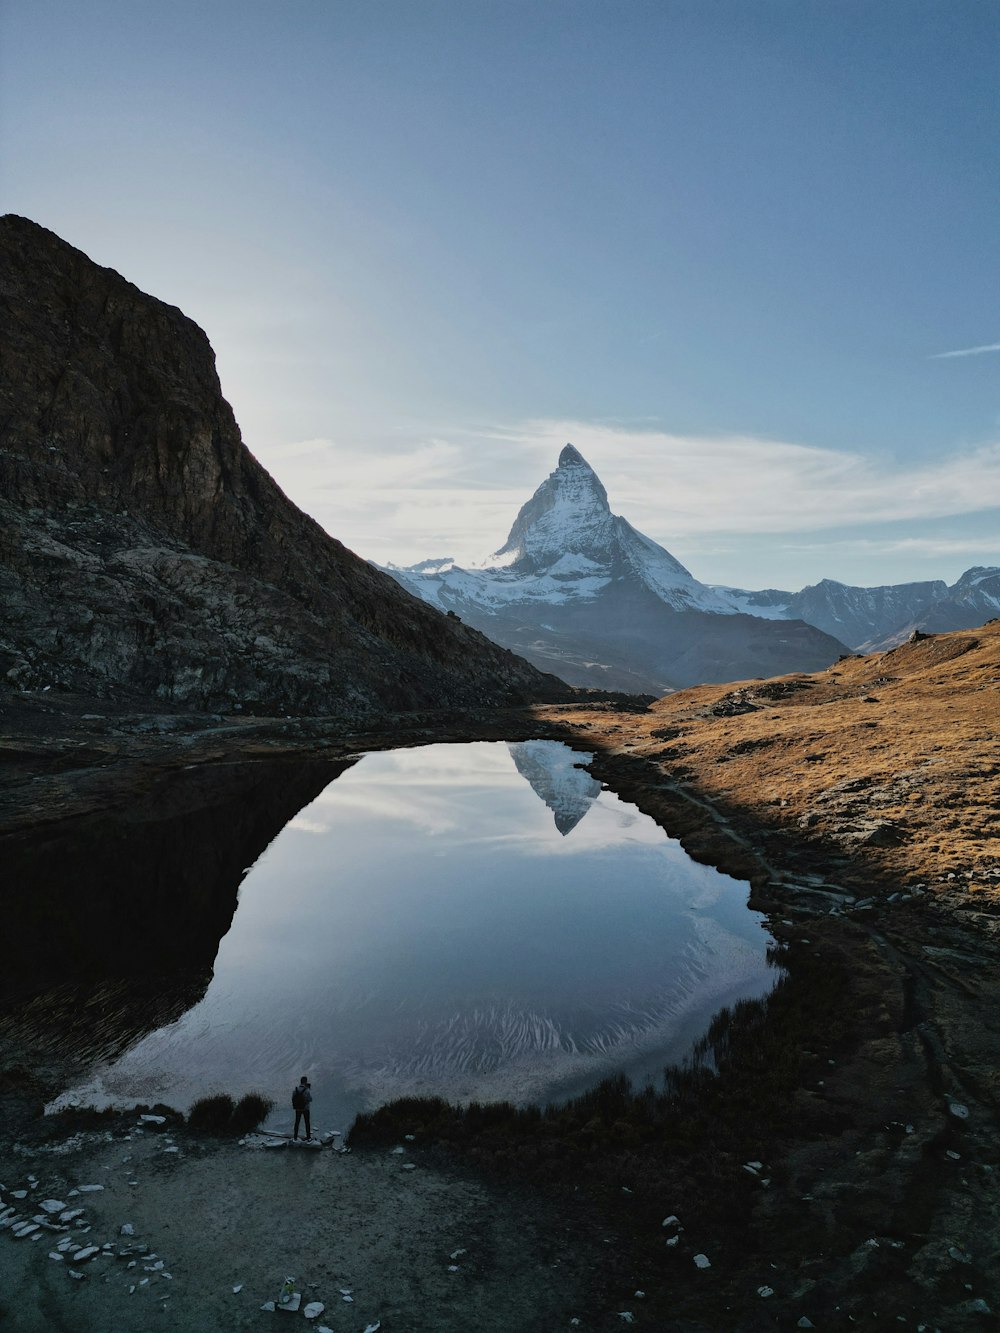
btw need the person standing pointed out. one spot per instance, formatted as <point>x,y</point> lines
<point>301,1100</point>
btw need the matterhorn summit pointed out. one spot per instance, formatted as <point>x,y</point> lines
<point>579,591</point>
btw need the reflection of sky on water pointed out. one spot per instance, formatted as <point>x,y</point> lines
<point>428,925</point>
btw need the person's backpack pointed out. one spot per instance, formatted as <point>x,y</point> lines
<point>298,1099</point>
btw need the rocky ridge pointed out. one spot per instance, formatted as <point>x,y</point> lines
<point>144,551</point>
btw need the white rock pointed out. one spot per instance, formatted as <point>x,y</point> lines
<point>314,1309</point>
<point>756,1166</point>
<point>805,1322</point>
<point>457,1254</point>
<point>238,1288</point>
<point>19,1194</point>
<point>374,1328</point>
<point>671,1221</point>
<point>958,1110</point>
<point>702,1261</point>
<point>54,1254</point>
<point>765,1291</point>
<point>626,1316</point>
<point>22,1229</point>
<point>674,1240</point>
<point>75,1275</point>
<point>453,1268</point>
<point>348,1300</point>
<point>127,1229</point>
<point>87,1252</point>
<point>640,1295</point>
<point>71,1214</point>
<point>399,1149</point>
<point>269,1306</point>
<point>409,1166</point>
<point>153,1119</point>
<point>52,1205</point>
<point>88,1189</point>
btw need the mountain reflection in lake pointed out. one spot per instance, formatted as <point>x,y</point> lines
<point>428,925</point>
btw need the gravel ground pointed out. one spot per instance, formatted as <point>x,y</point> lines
<point>420,1249</point>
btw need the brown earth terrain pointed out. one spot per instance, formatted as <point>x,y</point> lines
<point>859,803</point>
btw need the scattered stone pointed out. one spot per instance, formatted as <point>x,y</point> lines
<point>457,1254</point>
<point>54,1254</point>
<point>269,1306</point>
<point>88,1189</point>
<point>765,1291</point>
<point>671,1221</point>
<point>958,1110</point>
<point>77,1277</point>
<point>374,1328</point>
<point>22,1229</point>
<point>702,1261</point>
<point>153,1119</point>
<point>291,1306</point>
<point>453,1268</point>
<point>52,1205</point>
<point>127,1229</point>
<point>314,1309</point>
<point>87,1252</point>
<point>626,1316</point>
<point>398,1149</point>
<point>19,1194</point>
<point>238,1288</point>
<point>805,1322</point>
<point>409,1166</point>
<point>640,1295</point>
<point>347,1299</point>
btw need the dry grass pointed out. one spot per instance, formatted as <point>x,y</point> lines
<point>893,755</point>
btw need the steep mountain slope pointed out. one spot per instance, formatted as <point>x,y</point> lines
<point>871,618</point>
<point>578,589</point>
<point>144,551</point>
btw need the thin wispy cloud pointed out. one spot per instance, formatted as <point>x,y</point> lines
<point>966,351</point>
<point>457,496</point>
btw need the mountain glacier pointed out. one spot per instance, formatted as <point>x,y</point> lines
<point>576,589</point>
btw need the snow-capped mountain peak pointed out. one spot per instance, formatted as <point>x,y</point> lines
<point>568,514</point>
<point>575,584</point>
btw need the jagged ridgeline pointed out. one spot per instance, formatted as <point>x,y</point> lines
<point>144,552</point>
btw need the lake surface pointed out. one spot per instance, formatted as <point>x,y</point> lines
<point>470,921</point>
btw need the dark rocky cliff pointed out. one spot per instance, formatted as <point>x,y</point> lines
<point>144,551</point>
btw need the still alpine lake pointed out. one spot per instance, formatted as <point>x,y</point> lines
<point>471,921</point>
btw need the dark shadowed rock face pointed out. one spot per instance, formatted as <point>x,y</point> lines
<point>144,551</point>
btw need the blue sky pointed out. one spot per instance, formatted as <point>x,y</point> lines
<point>722,247</point>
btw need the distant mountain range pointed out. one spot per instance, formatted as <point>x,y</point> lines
<point>870,619</point>
<point>578,591</point>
